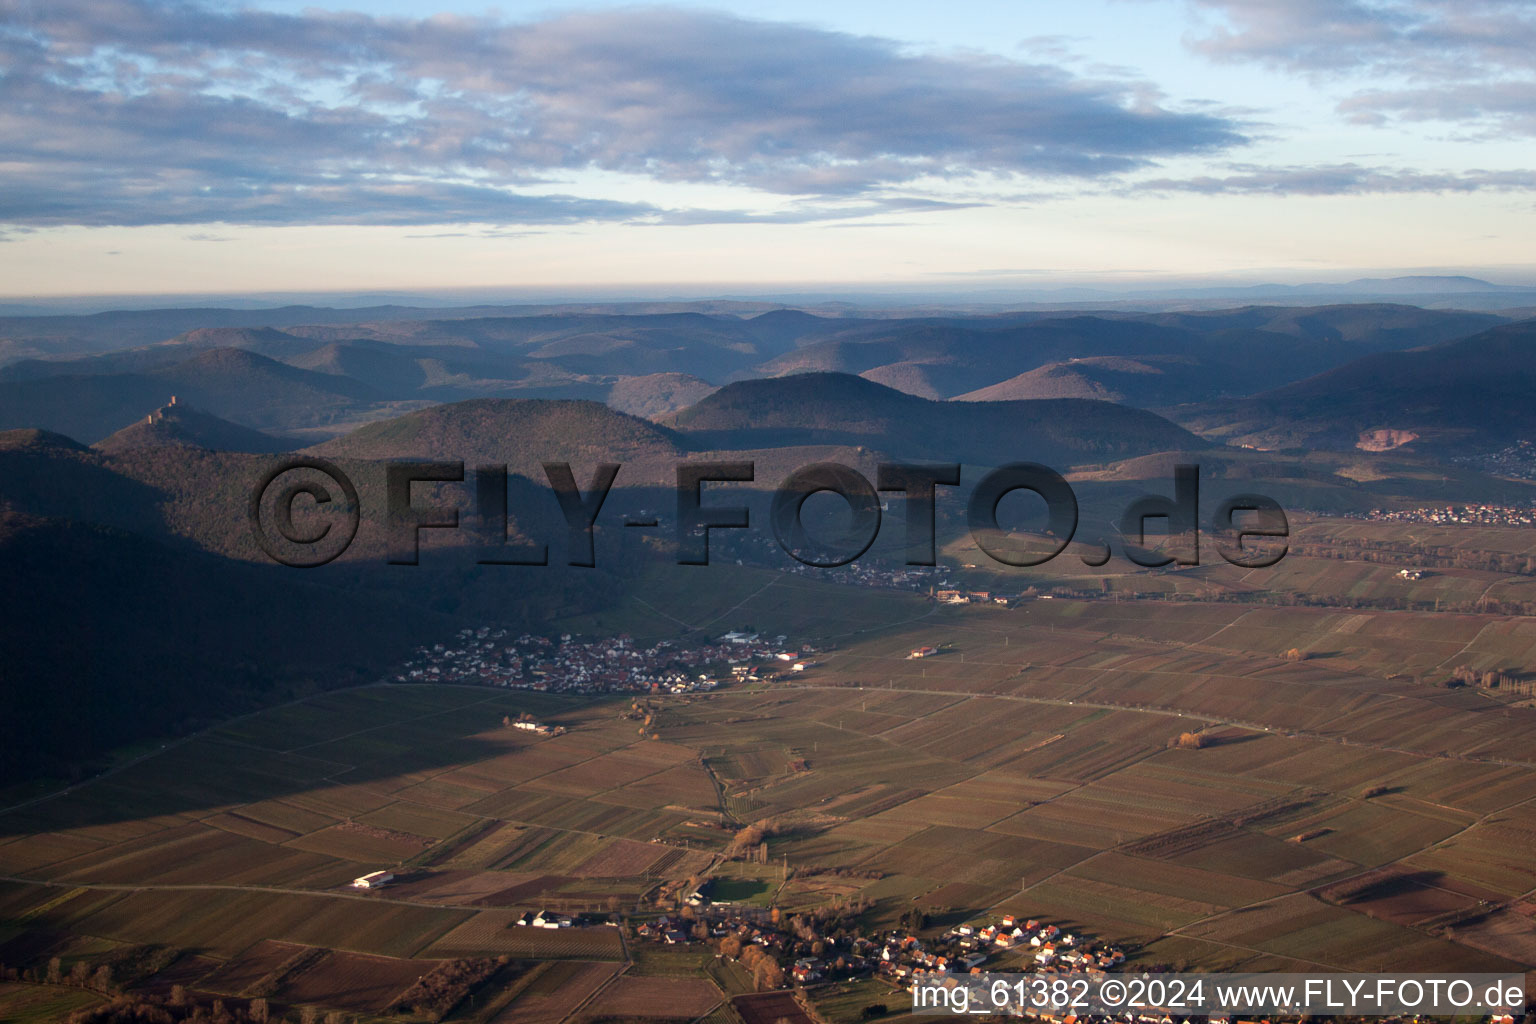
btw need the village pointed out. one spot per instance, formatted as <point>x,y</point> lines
<point>917,578</point>
<point>809,951</point>
<point>1516,461</point>
<point>820,946</point>
<point>616,664</point>
<point>1453,515</point>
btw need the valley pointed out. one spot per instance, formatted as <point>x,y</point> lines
<point>766,789</point>
<point>1335,815</point>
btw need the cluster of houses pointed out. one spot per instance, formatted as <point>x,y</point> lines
<point>1517,460</point>
<point>796,660</point>
<point>1455,515</point>
<point>916,578</point>
<point>900,957</point>
<point>670,929</point>
<point>1041,947</point>
<point>921,578</point>
<point>1044,944</point>
<point>905,959</point>
<point>567,664</point>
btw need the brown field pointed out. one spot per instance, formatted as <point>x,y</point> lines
<point>769,1008</point>
<point>553,990</point>
<point>1375,831</point>
<point>532,847</point>
<point>201,919</point>
<point>250,828</point>
<point>1311,931</point>
<point>1509,933</point>
<point>1177,880</point>
<point>1112,907</point>
<point>594,776</point>
<point>531,889</point>
<point>1409,899</point>
<point>458,888</point>
<point>413,818</point>
<point>188,971</point>
<point>354,981</point>
<point>23,856</point>
<point>491,847</point>
<point>32,946</point>
<point>340,802</point>
<point>250,966</point>
<point>963,894</point>
<point>622,858</point>
<point>634,996</point>
<point>683,786</point>
<point>363,844</point>
<point>286,816</point>
<point>492,933</point>
<point>1256,856</point>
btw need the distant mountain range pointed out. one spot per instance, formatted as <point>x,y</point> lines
<point>908,299</point>
<point>113,497</point>
<point>1362,289</point>
<point>321,378</point>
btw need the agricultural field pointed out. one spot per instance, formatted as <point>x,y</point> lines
<point>846,1002</point>
<point>552,991</point>
<point>637,996</point>
<point>1335,813</point>
<point>38,1004</point>
<point>1336,561</point>
<point>770,1008</point>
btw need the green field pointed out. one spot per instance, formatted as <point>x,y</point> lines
<point>40,1004</point>
<point>741,890</point>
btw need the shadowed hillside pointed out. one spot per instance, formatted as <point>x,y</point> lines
<point>231,383</point>
<point>1471,394</point>
<point>1149,381</point>
<point>111,637</point>
<point>519,432</point>
<point>831,408</point>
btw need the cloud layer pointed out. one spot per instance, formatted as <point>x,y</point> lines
<point>1340,180</point>
<point>1467,62</point>
<point>131,112</point>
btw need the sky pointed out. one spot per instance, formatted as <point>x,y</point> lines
<point>210,147</point>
